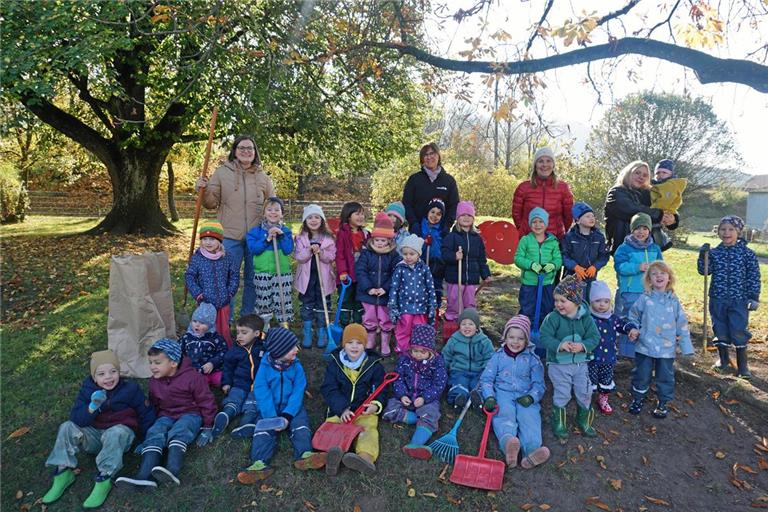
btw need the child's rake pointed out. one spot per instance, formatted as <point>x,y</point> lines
<point>446,448</point>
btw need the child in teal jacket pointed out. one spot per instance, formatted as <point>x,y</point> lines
<point>466,354</point>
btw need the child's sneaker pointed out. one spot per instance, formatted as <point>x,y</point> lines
<point>603,405</point>
<point>310,460</point>
<point>636,406</point>
<point>660,411</point>
<point>255,473</point>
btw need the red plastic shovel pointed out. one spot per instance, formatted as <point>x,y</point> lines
<point>477,471</point>
<point>342,434</point>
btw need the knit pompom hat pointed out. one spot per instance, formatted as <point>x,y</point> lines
<point>423,336</point>
<point>412,242</point>
<point>212,229</point>
<point>438,203</point>
<point>639,220</point>
<point>465,208</point>
<point>570,288</point>
<point>353,332</point>
<point>312,209</point>
<point>169,347</point>
<point>521,322</point>
<point>383,227</point>
<point>470,314</point>
<point>103,357</point>
<point>599,290</point>
<point>580,209</point>
<point>205,313</point>
<point>666,164</point>
<point>279,342</point>
<point>538,213</point>
<point>733,220</point>
<point>545,151</point>
<point>397,209</point>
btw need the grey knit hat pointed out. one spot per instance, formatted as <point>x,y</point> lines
<point>412,242</point>
<point>470,314</point>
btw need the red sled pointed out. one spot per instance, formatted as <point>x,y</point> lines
<point>500,239</point>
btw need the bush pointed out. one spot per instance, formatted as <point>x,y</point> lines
<point>14,200</point>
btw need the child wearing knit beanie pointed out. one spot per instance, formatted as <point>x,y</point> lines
<point>350,377</point>
<point>203,345</point>
<point>569,335</point>
<point>584,248</point>
<point>396,213</point>
<point>108,413</point>
<point>432,229</point>
<point>513,380</point>
<point>466,354</point>
<point>213,276</point>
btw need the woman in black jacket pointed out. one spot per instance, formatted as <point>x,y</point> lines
<point>430,182</point>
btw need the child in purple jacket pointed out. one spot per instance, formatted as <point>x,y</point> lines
<point>417,392</point>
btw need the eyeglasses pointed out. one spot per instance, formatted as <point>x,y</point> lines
<point>431,153</point>
<point>246,149</point>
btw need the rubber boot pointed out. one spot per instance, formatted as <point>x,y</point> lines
<point>724,364</point>
<point>99,493</point>
<point>266,319</point>
<point>417,447</point>
<point>370,340</point>
<point>584,419</point>
<point>150,458</point>
<point>603,404</point>
<point>741,363</point>
<point>322,336</point>
<point>170,472</point>
<point>559,424</point>
<point>385,336</point>
<point>361,462</point>
<point>221,421</point>
<point>246,428</point>
<point>307,341</point>
<point>61,481</point>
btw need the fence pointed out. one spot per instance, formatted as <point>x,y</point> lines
<point>94,204</point>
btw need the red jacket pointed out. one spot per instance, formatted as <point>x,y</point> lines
<point>345,257</point>
<point>185,393</point>
<point>557,201</point>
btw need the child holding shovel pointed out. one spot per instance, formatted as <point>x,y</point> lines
<point>374,269</point>
<point>350,376</point>
<point>213,275</point>
<point>583,248</point>
<point>315,254</point>
<point>270,243</point>
<point>417,391</point>
<point>514,380</point>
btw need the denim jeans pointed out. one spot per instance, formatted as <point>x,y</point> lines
<point>238,250</point>
<point>239,401</point>
<point>645,367</point>
<point>108,445</point>
<point>166,430</point>
<point>264,443</point>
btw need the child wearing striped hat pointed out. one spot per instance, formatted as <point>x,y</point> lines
<point>213,276</point>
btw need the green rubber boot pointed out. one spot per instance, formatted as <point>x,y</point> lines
<point>559,426</point>
<point>99,493</point>
<point>61,481</point>
<point>584,419</point>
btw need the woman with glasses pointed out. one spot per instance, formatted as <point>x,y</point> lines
<point>429,183</point>
<point>238,190</point>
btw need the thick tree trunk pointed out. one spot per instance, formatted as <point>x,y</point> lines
<point>171,187</point>
<point>135,201</point>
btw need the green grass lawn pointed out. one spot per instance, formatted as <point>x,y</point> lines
<point>54,314</point>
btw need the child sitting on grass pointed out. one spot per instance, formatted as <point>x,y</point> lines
<point>203,345</point>
<point>351,375</point>
<point>466,354</point>
<point>279,391</point>
<point>109,412</point>
<point>184,404</point>
<point>514,380</point>
<point>240,365</point>
<point>417,391</point>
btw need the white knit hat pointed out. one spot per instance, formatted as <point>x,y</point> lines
<point>545,151</point>
<point>412,242</point>
<point>312,209</point>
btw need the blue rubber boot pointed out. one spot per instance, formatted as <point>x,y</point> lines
<point>418,448</point>
<point>307,341</point>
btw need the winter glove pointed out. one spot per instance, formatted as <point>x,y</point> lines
<point>489,404</point>
<point>97,398</point>
<point>752,305</point>
<point>204,437</point>
<point>580,272</point>
<point>525,401</point>
<point>591,272</point>
<point>549,267</point>
<point>704,248</point>
<point>536,267</point>
<point>199,298</point>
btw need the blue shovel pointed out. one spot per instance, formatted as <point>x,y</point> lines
<point>541,352</point>
<point>336,330</point>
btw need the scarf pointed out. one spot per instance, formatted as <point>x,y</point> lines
<point>510,353</point>
<point>637,244</point>
<point>279,365</point>
<point>212,255</point>
<point>352,365</point>
<point>604,316</point>
<point>432,174</point>
<point>266,225</point>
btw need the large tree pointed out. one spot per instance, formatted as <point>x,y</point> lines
<point>149,74</point>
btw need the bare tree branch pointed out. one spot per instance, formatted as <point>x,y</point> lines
<point>541,20</point>
<point>615,14</point>
<point>665,22</point>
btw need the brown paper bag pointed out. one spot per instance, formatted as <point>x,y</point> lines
<point>140,308</point>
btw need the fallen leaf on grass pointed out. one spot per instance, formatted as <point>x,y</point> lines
<point>601,460</point>
<point>411,492</point>
<point>398,426</point>
<point>581,449</point>
<point>527,506</point>
<point>646,460</point>
<point>746,469</point>
<point>657,501</point>
<point>452,500</point>
<point>266,488</point>
<point>651,430</point>
<point>615,483</point>
<point>757,445</point>
<point>408,482</point>
<point>673,408</point>
<point>544,506</point>
<point>429,494</point>
<point>762,464</point>
<point>730,428</point>
<point>715,395</point>
<point>689,401</point>
<point>562,463</point>
<point>18,432</point>
<point>491,494</point>
<point>19,494</point>
<point>724,410</point>
<point>442,474</point>
<point>719,455</point>
<point>357,509</point>
<point>732,401</point>
<point>595,502</point>
<point>309,506</point>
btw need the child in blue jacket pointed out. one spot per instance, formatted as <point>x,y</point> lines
<point>583,247</point>
<point>514,380</point>
<point>108,414</point>
<point>203,345</point>
<point>241,362</point>
<point>631,260</point>
<point>735,291</point>
<point>279,392</point>
<point>430,228</point>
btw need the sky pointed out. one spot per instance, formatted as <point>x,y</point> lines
<point>569,101</point>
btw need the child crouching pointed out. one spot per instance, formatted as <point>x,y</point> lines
<point>514,380</point>
<point>466,354</point>
<point>351,375</point>
<point>417,391</point>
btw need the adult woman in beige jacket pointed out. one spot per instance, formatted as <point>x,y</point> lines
<point>237,190</point>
